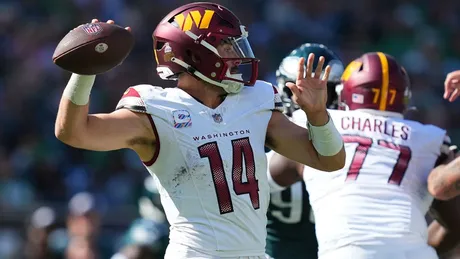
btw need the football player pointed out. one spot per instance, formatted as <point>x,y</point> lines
<point>443,188</point>
<point>290,226</point>
<point>203,141</point>
<point>375,206</point>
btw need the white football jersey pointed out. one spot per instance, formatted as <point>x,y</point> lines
<point>380,197</point>
<point>211,165</point>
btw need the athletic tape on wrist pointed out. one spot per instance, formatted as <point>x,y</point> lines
<point>326,139</point>
<point>79,88</point>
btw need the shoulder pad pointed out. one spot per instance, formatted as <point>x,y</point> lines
<point>269,91</point>
<point>134,97</point>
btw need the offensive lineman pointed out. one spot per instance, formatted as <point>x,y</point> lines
<point>375,206</point>
<point>203,142</point>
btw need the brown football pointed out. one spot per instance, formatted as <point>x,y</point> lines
<point>93,48</point>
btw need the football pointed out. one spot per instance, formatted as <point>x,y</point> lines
<point>93,48</point>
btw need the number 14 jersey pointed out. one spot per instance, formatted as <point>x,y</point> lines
<point>211,166</point>
<point>380,197</point>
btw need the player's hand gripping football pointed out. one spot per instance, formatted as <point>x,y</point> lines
<point>452,86</point>
<point>94,48</point>
<point>310,90</point>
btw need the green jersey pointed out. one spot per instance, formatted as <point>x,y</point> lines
<point>290,228</point>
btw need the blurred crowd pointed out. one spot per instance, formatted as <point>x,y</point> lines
<point>41,179</point>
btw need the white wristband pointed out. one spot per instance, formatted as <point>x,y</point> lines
<point>78,88</point>
<point>326,139</point>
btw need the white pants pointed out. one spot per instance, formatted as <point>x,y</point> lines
<point>176,251</point>
<point>359,252</point>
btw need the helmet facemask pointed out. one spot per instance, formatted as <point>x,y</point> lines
<point>341,105</point>
<point>240,65</point>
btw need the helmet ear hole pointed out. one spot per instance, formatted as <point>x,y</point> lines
<point>196,59</point>
<point>188,52</point>
<point>159,45</point>
<point>211,39</point>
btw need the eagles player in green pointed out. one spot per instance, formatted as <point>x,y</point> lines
<point>290,228</point>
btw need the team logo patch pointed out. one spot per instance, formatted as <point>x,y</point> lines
<point>92,28</point>
<point>182,119</point>
<point>217,117</point>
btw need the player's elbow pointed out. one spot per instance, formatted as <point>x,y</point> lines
<point>330,167</point>
<point>332,163</point>
<point>67,136</point>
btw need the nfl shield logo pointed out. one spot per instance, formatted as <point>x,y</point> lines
<point>217,117</point>
<point>92,28</point>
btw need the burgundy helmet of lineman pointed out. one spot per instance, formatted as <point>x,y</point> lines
<point>374,81</point>
<point>186,40</point>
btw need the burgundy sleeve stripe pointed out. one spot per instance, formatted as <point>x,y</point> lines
<point>157,144</point>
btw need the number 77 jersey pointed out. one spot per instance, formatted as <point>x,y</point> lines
<point>380,197</point>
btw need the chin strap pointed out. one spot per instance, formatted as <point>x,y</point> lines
<point>230,86</point>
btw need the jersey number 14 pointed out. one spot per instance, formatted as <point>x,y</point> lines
<point>241,149</point>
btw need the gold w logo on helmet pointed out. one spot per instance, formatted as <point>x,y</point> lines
<point>351,68</point>
<point>194,18</point>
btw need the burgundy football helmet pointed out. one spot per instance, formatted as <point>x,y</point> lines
<point>374,81</point>
<point>186,40</point>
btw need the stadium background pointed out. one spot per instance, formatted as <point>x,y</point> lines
<point>36,170</point>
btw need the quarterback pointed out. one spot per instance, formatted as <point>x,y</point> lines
<point>203,141</point>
